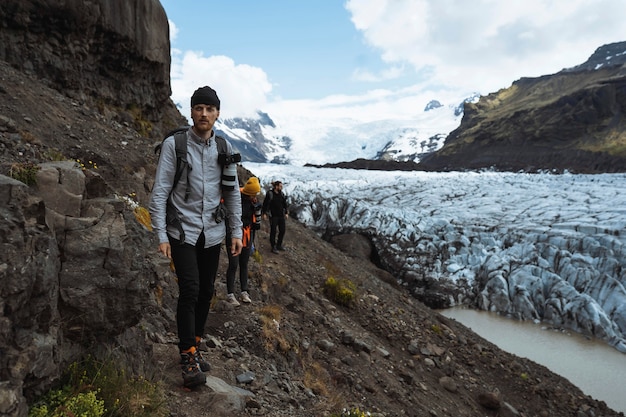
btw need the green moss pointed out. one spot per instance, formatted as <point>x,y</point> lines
<point>436,328</point>
<point>65,402</point>
<point>341,291</point>
<point>612,143</point>
<point>93,388</point>
<point>143,126</point>
<point>54,155</point>
<point>353,412</point>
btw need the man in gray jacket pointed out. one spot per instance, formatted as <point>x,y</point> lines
<point>193,241</point>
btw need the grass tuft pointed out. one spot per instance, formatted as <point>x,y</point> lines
<point>24,172</point>
<point>273,339</point>
<point>352,412</point>
<point>93,388</point>
<point>341,291</point>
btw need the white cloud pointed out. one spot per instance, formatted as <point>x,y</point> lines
<point>173,30</point>
<point>390,73</point>
<point>485,45</point>
<point>242,89</point>
<point>441,48</point>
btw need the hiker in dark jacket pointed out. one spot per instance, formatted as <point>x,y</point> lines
<point>250,209</point>
<point>276,208</point>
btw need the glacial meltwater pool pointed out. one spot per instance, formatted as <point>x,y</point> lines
<point>596,368</point>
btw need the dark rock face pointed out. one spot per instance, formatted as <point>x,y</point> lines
<point>610,55</point>
<point>108,59</point>
<point>72,276</point>
<point>574,120</point>
<point>353,244</point>
<point>370,164</point>
<point>83,81</point>
<point>95,48</point>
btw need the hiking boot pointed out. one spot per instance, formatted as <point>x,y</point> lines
<point>192,375</point>
<point>274,250</point>
<point>202,363</point>
<point>245,297</point>
<point>280,248</point>
<point>230,299</point>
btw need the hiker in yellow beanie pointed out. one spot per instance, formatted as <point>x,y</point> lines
<point>252,187</point>
<point>251,219</point>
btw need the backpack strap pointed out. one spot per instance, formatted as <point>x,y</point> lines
<point>220,142</point>
<point>182,164</point>
<point>180,140</point>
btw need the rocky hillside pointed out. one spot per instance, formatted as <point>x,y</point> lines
<point>79,274</point>
<point>574,120</point>
<point>93,283</point>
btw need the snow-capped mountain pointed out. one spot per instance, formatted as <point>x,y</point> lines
<point>255,139</point>
<point>569,121</point>
<point>304,140</point>
<point>437,120</point>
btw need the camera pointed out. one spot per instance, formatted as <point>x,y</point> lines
<point>257,210</point>
<point>257,216</point>
<point>229,169</point>
<point>225,159</point>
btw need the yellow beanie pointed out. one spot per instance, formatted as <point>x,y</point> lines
<point>252,187</point>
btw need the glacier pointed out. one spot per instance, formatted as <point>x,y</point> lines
<point>539,247</point>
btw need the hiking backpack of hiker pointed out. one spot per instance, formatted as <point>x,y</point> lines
<point>227,161</point>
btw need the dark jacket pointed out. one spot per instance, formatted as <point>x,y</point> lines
<point>275,204</point>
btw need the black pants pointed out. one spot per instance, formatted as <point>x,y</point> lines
<point>240,261</point>
<point>196,269</point>
<point>277,222</point>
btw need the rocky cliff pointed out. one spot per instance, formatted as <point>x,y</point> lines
<point>84,88</point>
<point>109,61</point>
<point>91,49</point>
<point>574,120</point>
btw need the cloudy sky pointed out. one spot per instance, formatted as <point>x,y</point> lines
<point>375,59</point>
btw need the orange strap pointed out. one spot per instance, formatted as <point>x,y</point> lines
<point>246,236</point>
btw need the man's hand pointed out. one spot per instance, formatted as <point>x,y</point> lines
<point>165,249</point>
<point>235,247</point>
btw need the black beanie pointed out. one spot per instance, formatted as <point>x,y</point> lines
<point>205,95</point>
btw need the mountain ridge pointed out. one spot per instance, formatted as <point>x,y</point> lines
<point>406,140</point>
<point>573,120</point>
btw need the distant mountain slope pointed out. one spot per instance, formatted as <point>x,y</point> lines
<point>307,141</point>
<point>255,139</point>
<point>573,120</point>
